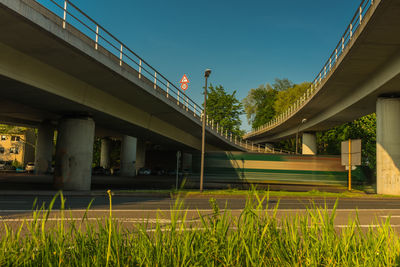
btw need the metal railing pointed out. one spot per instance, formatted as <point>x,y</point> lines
<point>78,22</point>
<point>320,78</point>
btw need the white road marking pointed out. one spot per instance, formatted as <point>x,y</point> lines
<point>118,210</point>
<point>166,221</point>
<point>200,210</point>
<point>133,220</point>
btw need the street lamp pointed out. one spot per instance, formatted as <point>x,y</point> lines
<point>297,134</point>
<point>207,73</point>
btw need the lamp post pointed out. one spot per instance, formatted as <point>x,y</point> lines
<point>207,73</point>
<point>297,134</point>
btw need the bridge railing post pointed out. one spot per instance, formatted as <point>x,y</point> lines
<point>120,58</point>
<point>155,80</point>
<point>65,14</point>
<point>97,37</point>
<point>140,74</point>
<point>167,89</point>
<point>351,30</point>
<point>336,55</point>
<point>342,44</point>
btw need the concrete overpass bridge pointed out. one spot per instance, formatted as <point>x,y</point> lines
<point>59,68</point>
<point>361,76</point>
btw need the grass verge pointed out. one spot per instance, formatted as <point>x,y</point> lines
<point>255,238</point>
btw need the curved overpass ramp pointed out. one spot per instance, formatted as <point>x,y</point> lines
<point>361,76</point>
<point>350,83</point>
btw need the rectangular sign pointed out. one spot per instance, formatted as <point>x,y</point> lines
<point>355,152</point>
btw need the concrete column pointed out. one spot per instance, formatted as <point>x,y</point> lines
<point>140,155</point>
<point>44,148</point>
<point>128,156</point>
<point>388,146</point>
<point>105,160</point>
<point>187,161</point>
<point>74,153</point>
<point>309,144</point>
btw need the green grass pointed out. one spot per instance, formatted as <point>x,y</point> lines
<point>357,192</point>
<point>255,238</point>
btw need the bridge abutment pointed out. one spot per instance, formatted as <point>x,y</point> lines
<point>128,155</point>
<point>309,144</point>
<point>105,152</point>
<point>44,148</point>
<point>74,153</point>
<point>388,146</point>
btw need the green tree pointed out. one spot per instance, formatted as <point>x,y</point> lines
<point>11,129</point>
<point>259,105</point>
<point>364,128</point>
<point>282,84</point>
<point>225,109</point>
<point>286,98</point>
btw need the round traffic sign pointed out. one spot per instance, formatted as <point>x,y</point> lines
<point>184,86</point>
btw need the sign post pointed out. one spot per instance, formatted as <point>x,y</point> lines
<point>349,183</point>
<point>178,157</point>
<point>351,156</point>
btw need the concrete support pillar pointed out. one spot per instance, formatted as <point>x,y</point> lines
<point>44,148</point>
<point>187,161</point>
<point>128,156</point>
<point>74,153</point>
<point>105,152</point>
<point>309,144</point>
<point>388,146</point>
<point>140,155</point>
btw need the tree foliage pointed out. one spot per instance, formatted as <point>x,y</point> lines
<point>282,84</point>
<point>267,101</point>
<point>259,105</point>
<point>11,129</point>
<point>289,96</point>
<point>364,128</point>
<point>225,109</point>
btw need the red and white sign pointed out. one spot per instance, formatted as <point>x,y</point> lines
<point>184,79</point>
<point>184,82</point>
<point>184,86</point>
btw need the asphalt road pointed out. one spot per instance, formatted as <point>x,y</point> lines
<point>134,209</point>
<point>165,203</point>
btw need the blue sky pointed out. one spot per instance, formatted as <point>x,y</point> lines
<point>245,43</point>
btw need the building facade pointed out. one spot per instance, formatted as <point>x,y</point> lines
<point>18,147</point>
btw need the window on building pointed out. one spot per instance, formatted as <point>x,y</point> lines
<point>1,150</point>
<point>15,138</point>
<point>14,150</point>
<point>3,138</point>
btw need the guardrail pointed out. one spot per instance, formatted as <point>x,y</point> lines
<point>102,40</point>
<point>337,53</point>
